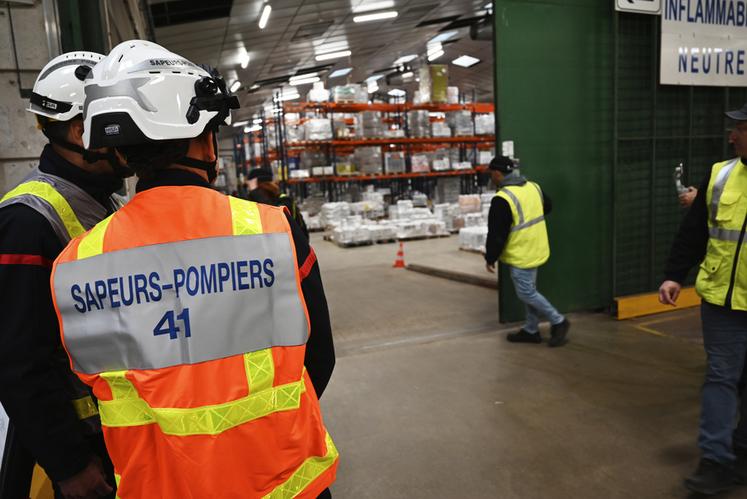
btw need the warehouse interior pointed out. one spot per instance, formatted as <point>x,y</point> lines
<point>380,119</point>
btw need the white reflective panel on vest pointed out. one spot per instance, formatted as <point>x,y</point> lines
<point>180,303</point>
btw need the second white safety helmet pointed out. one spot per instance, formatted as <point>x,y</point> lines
<point>142,92</point>
<point>58,91</point>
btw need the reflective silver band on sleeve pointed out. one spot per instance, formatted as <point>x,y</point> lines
<point>180,303</point>
<point>724,234</point>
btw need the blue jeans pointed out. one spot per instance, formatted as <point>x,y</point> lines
<point>725,342</point>
<point>536,305</point>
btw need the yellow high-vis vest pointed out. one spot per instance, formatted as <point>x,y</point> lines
<point>722,279</point>
<point>527,246</point>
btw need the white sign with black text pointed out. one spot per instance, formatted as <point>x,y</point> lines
<point>704,42</point>
<point>640,6</point>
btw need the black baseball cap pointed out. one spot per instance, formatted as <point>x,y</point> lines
<point>738,114</point>
<point>261,174</point>
<point>503,164</point>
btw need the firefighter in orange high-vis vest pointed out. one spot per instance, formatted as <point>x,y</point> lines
<point>198,319</point>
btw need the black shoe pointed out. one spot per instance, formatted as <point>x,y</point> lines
<point>711,478</point>
<point>524,337</point>
<point>558,334</point>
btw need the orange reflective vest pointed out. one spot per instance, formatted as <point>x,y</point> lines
<point>184,312</point>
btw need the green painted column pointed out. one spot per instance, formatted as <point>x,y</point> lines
<point>554,79</point>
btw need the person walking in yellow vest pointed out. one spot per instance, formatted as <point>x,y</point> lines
<point>517,235</point>
<point>712,235</point>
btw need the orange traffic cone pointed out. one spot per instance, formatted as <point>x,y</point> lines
<point>399,263</point>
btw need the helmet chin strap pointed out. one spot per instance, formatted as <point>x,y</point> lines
<point>93,156</point>
<point>209,166</point>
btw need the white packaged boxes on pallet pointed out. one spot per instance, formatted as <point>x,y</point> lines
<point>440,129</point>
<point>394,162</point>
<point>312,222</point>
<point>369,125</point>
<point>470,203</point>
<point>419,200</point>
<point>446,212</point>
<point>318,129</point>
<point>419,123</point>
<point>351,232</point>
<point>484,157</point>
<point>322,171</point>
<point>350,94</point>
<point>318,93</point>
<point>485,124</point>
<point>382,232</point>
<point>420,163</point>
<point>368,209</point>
<point>474,220</point>
<point>473,238</point>
<point>334,213</point>
<point>368,159</point>
<point>419,228</point>
<point>460,123</point>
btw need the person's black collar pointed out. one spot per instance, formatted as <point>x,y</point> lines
<point>99,186</point>
<point>171,177</point>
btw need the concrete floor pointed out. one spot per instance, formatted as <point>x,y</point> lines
<point>428,400</point>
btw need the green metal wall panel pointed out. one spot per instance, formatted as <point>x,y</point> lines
<point>656,128</point>
<point>554,99</point>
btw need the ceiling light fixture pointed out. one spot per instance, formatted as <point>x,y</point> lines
<point>331,47</point>
<point>369,6</point>
<point>265,16</point>
<point>333,55</point>
<point>235,86</point>
<point>257,121</point>
<point>373,78</point>
<point>443,37</point>
<point>433,48</point>
<point>409,74</point>
<point>304,81</point>
<point>396,92</point>
<point>305,76</point>
<point>465,61</point>
<point>340,72</point>
<point>389,14</point>
<point>254,87</point>
<point>372,87</point>
<point>435,55</point>
<point>240,123</point>
<point>254,128</point>
<point>245,60</point>
<point>405,59</point>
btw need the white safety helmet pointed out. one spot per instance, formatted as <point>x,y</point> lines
<point>58,90</point>
<point>141,93</point>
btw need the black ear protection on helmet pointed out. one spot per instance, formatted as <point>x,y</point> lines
<point>211,94</point>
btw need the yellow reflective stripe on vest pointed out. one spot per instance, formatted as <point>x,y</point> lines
<point>55,199</point>
<point>718,187</point>
<point>309,471</point>
<point>260,370</point>
<point>93,242</point>
<point>245,217</point>
<point>117,479</point>
<point>205,420</point>
<point>85,407</point>
<point>521,223</point>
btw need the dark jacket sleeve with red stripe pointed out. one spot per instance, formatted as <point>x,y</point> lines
<point>31,389</point>
<point>320,349</point>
